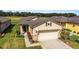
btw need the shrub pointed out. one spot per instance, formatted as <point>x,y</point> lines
<point>29,35</point>
<point>18,32</point>
<point>74,31</point>
<point>74,37</point>
<point>65,34</point>
<point>77,41</point>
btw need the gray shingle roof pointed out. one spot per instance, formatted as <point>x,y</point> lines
<point>67,19</point>
<point>41,20</point>
<point>3,19</point>
<point>35,23</point>
<point>26,20</point>
<point>60,19</point>
<point>73,20</point>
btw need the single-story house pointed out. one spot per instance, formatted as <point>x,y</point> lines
<point>41,28</point>
<point>4,24</point>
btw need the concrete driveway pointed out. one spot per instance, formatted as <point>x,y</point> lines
<point>54,44</point>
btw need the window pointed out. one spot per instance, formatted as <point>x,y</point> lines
<point>74,31</point>
<point>77,32</point>
<point>49,24</point>
<point>73,25</point>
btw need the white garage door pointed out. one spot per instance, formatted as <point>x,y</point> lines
<point>47,36</point>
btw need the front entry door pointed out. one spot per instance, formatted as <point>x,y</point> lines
<point>24,28</point>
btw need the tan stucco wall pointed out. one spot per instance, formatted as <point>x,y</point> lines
<point>34,37</point>
<point>44,27</point>
<point>21,30</point>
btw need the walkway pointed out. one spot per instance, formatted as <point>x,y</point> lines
<point>27,42</point>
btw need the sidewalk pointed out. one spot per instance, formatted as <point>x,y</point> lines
<point>27,42</point>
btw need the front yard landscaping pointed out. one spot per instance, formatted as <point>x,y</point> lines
<point>72,40</point>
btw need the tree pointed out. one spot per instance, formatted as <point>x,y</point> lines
<point>10,13</point>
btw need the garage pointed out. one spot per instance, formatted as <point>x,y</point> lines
<point>48,35</point>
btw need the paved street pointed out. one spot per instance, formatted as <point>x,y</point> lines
<point>54,44</point>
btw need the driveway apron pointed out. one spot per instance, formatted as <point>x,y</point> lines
<point>54,44</point>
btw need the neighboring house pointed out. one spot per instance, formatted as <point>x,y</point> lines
<point>72,24</point>
<point>41,28</point>
<point>4,24</point>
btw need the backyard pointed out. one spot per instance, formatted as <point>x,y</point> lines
<point>10,38</point>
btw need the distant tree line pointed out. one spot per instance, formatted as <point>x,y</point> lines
<point>10,13</point>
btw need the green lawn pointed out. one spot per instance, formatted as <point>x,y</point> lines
<point>71,43</point>
<point>74,44</point>
<point>10,40</point>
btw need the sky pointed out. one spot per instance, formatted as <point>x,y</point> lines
<point>54,11</point>
<point>48,11</point>
<point>42,6</point>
